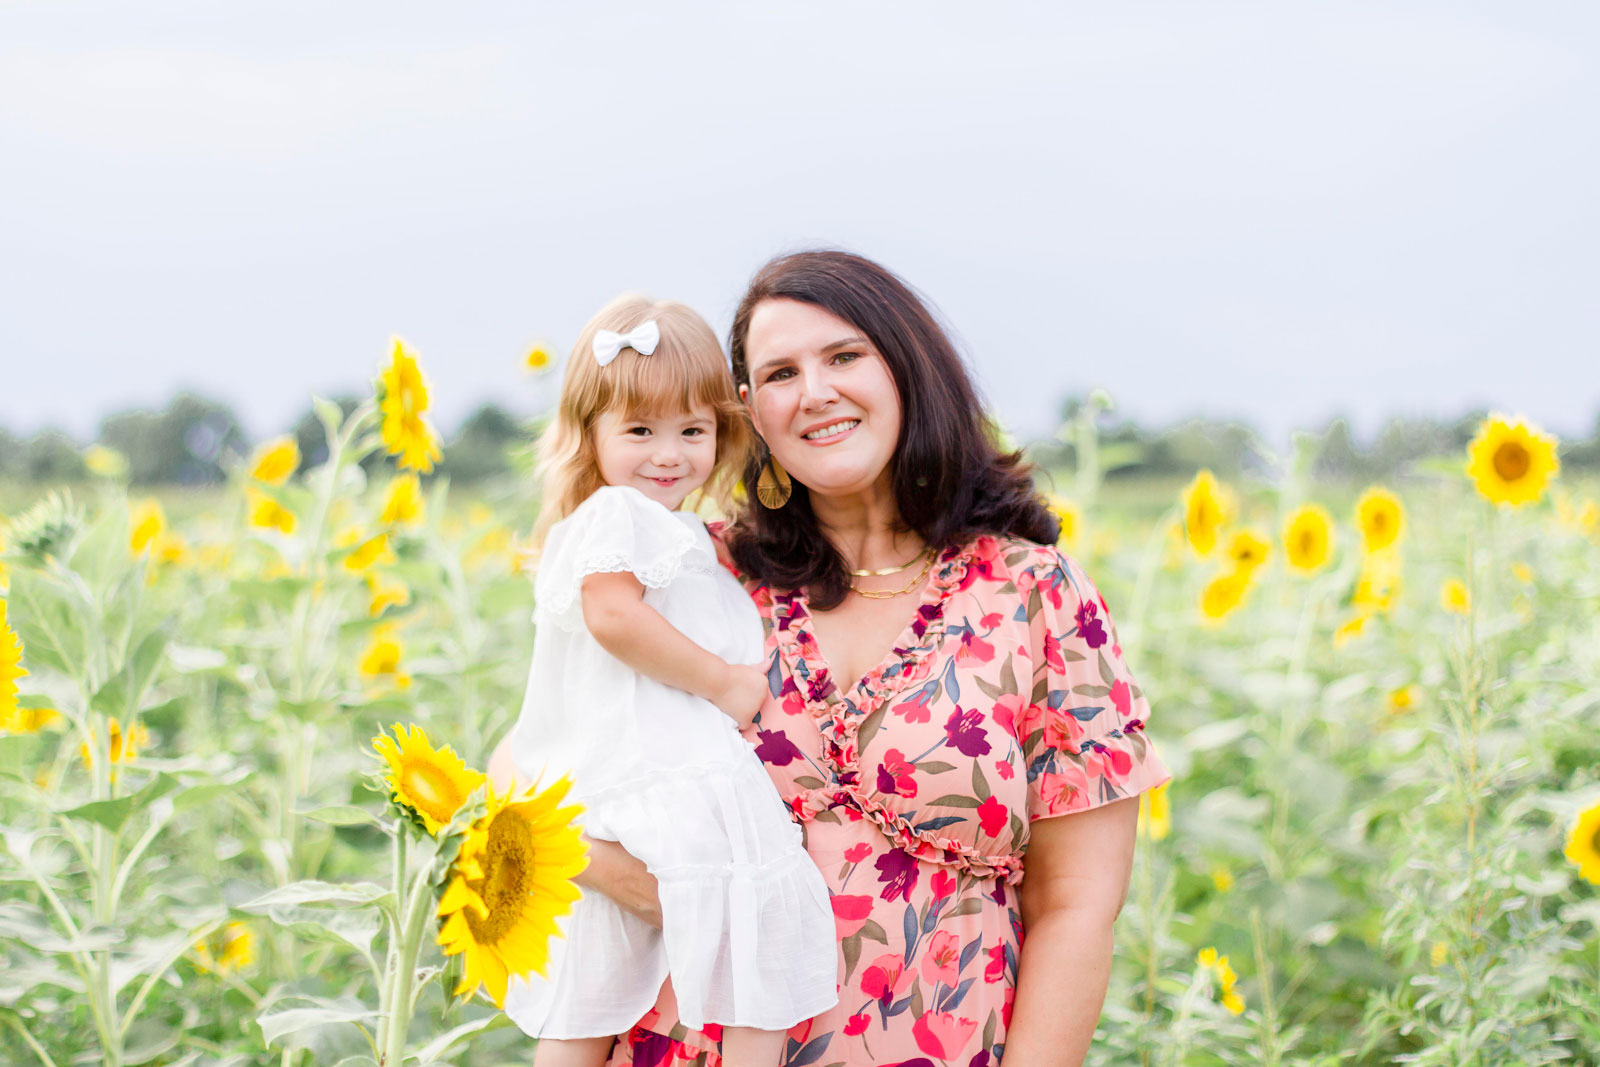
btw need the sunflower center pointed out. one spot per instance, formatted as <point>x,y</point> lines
<point>1511,461</point>
<point>430,789</point>
<point>507,879</point>
<point>1594,842</point>
<point>1307,543</point>
<point>1380,522</point>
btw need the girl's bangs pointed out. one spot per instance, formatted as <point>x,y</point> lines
<point>667,382</point>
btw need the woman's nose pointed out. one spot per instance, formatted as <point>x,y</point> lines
<point>817,387</point>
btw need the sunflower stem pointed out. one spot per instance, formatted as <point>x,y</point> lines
<point>405,976</point>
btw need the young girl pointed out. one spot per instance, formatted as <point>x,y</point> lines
<point>644,668</point>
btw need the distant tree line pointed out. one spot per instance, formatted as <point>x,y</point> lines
<point>1129,450</point>
<point>194,439</point>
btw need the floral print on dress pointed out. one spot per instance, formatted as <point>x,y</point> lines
<point>1004,701</point>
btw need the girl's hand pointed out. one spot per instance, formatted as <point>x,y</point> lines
<point>614,871</point>
<point>742,692</point>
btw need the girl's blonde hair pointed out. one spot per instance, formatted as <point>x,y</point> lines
<point>686,370</point>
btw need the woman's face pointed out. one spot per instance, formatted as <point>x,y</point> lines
<point>821,397</point>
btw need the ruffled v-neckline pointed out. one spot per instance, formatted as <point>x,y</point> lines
<point>921,636</point>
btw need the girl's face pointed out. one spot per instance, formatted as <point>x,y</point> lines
<point>821,397</point>
<point>665,457</point>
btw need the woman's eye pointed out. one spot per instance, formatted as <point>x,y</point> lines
<point>780,374</point>
<point>846,357</point>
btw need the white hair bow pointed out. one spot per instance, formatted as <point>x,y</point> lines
<point>642,340</point>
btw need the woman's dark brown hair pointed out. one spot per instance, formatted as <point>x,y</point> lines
<point>951,483</point>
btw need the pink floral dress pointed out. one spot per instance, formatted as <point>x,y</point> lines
<point>1005,700</point>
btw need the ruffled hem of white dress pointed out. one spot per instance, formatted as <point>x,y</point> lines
<point>747,928</point>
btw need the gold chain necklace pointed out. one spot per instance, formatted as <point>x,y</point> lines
<point>885,594</point>
<point>892,570</point>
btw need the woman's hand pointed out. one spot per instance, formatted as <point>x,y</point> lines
<point>614,871</point>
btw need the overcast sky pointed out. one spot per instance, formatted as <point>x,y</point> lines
<point>1277,211</point>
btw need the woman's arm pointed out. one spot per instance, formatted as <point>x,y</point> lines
<point>631,630</point>
<point>612,870</point>
<point>1078,867</point>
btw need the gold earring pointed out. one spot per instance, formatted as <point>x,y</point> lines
<point>773,487</point>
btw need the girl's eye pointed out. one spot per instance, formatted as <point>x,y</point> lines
<point>639,431</point>
<point>694,431</point>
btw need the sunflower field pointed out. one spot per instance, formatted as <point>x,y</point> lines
<point>244,734</point>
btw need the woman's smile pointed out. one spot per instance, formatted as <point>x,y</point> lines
<point>831,432</point>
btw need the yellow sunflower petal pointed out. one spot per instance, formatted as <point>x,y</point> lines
<point>1204,513</point>
<point>1583,844</point>
<point>275,460</point>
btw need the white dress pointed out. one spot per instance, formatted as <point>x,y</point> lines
<point>748,932</point>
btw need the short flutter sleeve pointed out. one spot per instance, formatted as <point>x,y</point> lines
<point>1085,743</point>
<point>616,529</point>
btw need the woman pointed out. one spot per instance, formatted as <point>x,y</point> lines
<point>949,706</point>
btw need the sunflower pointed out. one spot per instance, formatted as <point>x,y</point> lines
<point>104,462</point>
<point>368,554</point>
<point>1226,978</point>
<point>124,747</point>
<point>406,432</point>
<point>1222,878</point>
<point>231,948</point>
<point>146,522</point>
<point>1403,699</point>
<point>383,655</point>
<point>1204,512</point>
<point>1583,844</point>
<point>1381,518</point>
<point>509,883</point>
<point>1522,572</point>
<point>1379,585</point>
<point>385,594</point>
<point>1351,629</point>
<point>171,548</point>
<point>1223,594</point>
<point>1248,550</point>
<point>432,783</point>
<point>1453,596</point>
<point>11,667</point>
<point>268,514</point>
<point>1308,539</point>
<point>27,720</point>
<point>403,502</point>
<point>538,358</point>
<point>275,460</point>
<point>1511,461</point>
<point>1155,813</point>
<point>1069,515</point>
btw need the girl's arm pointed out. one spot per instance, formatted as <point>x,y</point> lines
<point>612,870</point>
<point>631,630</point>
